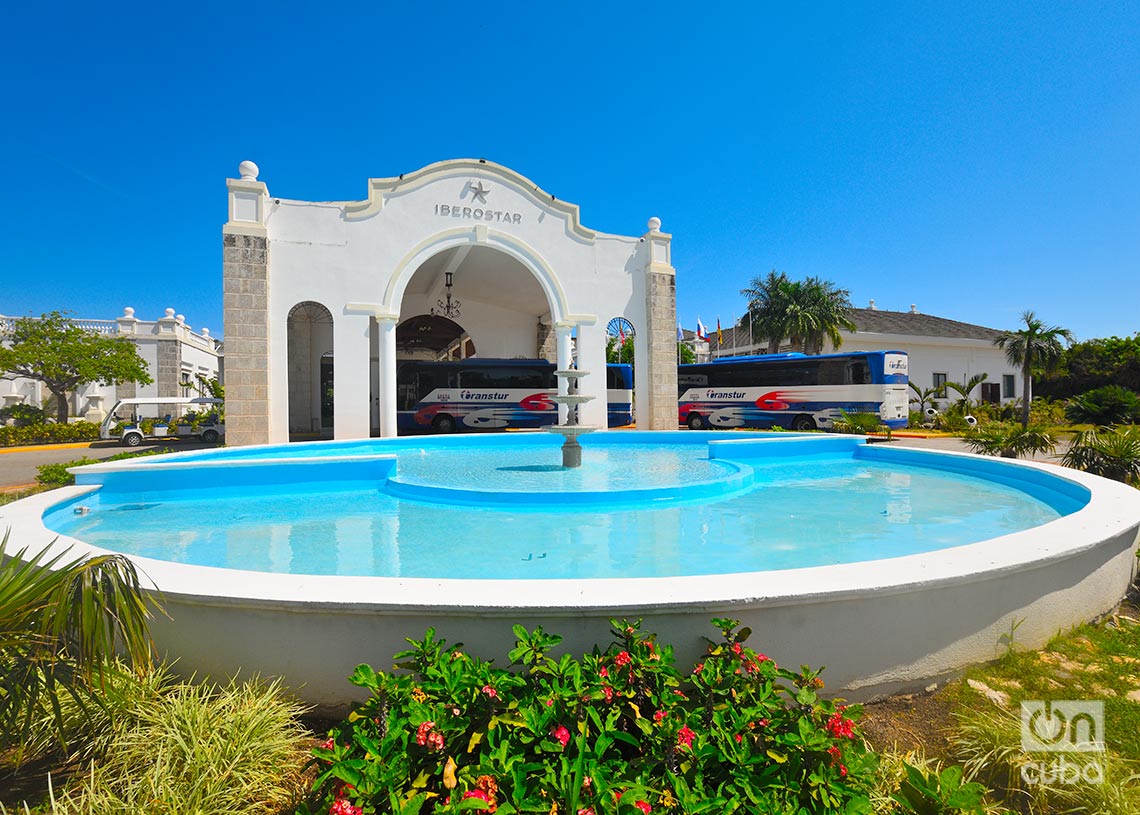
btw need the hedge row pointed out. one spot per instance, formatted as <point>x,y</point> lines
<point>48,434</point>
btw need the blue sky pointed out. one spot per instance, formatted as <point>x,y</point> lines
<point>976,159</point>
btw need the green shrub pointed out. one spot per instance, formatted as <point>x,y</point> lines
<point>1046,412</point>
<point>22,415</point>
<point>1010,440</point>
<point>619,731</point>
<point>57,475</point>
<point>858,423</point>
<point>195,749</point>
<point>1109,405</point>
<point>1113,454</point>
<point>48,433</point>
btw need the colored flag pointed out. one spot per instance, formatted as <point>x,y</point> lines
<point>621,334</point>
<point>680,333</point>
<point>702,332</point>
<point>719,334</point>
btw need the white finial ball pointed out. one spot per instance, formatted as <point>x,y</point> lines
<point>205,332</point>
<point>654,224</point>
<point>248,171</point>
<point>128,312</point>
<point>169,313</point>
<point>181,318</point>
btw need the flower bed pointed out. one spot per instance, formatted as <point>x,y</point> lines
<point>616,731</point>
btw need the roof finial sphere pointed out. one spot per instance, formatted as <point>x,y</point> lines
<point>654,224</point>
<point>248,171</point>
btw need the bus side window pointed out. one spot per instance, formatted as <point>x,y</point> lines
<point>858,373</point>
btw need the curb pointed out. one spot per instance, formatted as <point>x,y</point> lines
<point>77,445</point>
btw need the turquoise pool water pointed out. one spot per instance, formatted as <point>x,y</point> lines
<point>779,512</point>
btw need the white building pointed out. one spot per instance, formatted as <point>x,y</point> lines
<point>175,355</point>
<point>462,257</point>
<point>939,350</point>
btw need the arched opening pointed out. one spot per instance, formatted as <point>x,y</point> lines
<point>310,354</point>
<point>434,338</point>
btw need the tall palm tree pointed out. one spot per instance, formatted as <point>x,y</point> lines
<point>1035,346</point>
<point>805,311</point>
<point>768,299</point>
<point>61,623</point>
<point>829,308</point>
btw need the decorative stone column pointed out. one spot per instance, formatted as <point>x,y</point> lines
<point>168,370</point>
<point>660,375</point>
<point>245,299</point>
<point>565,352</point>
<point>128,325</point>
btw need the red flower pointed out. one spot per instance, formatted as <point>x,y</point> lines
<point>700,667</point>
<point>840,727</point>
<point>603,672</point>
<point>561,733</point>
<point>482,796</point>
<point>586,811</point>
<point>737,648</point>
<point>643,806</point>
<point>327,744</point>
<point>428,736</point>
<point>739,738</point>
<point>609,693</point>
<point>342,806</point>
<point>490,692</point>
<point>622,659</point>
<point>685,737</point>
<point>659,716</point>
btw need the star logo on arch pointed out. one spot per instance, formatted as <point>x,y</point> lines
<point>478,193</point>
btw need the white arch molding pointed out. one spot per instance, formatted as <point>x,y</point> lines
<point>358,258</point>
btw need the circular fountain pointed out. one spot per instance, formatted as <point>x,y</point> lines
<point>889,566</point>
<point>571,430</point>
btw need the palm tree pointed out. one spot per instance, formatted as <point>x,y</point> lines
<point>1035,346</point>
<point>964,388</point>
<point>828,307</point>
<point>61,625</point>
<point>923,395</point>
<point>768,299</point>
<point>805,311</point>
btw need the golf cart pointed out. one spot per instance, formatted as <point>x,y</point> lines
<point>132,430</point>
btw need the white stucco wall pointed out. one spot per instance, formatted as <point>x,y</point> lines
<point>357,259</point>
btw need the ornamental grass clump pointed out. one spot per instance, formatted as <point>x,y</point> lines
<point>617,731</point>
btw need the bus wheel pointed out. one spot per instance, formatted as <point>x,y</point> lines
<point>695,422</point>
<point>443,424</point>
<point>132,439</point>
<point>803,422</point>
<point>210,436</point>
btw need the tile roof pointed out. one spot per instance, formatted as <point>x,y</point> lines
<point>877,321</point>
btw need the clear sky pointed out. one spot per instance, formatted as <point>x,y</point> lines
<point>974,158</point>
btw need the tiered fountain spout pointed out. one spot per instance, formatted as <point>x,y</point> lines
<point>571,450</point>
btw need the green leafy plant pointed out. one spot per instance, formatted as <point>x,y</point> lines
<point>858,423</point>
<point>57,475</point>
<point>22,415</point>
<point>1113,453</point>
<point>61,624</point>
<point>48,433</point>
<point>934,793</point>
<point>1109,405</point>
<point>191,748</point>
<point>1010,440</point>
<point>616,731</point>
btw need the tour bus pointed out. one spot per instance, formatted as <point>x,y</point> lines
<point>493,394</point>
<point>793,391</point>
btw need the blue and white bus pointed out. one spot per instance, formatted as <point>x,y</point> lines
<point>793,391</point>
<point>493,394</point>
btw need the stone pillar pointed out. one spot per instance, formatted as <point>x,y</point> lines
<point>245,299</point>
<point>547,346</point>
<point>168,370</point>
<point>659,411</point>
<point>387,327</point>
<point>352,408</point>
<point>128,326</point>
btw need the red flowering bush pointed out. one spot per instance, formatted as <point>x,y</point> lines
<point>616,732</point>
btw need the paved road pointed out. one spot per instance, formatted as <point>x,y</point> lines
<point>957,445</point>
<point>20,468</point>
